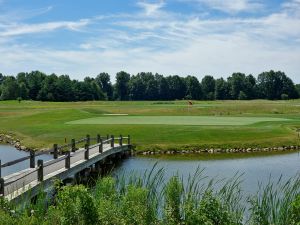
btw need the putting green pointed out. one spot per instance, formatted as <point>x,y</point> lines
<point>176,120</point>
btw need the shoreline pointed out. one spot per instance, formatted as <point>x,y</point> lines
<point>180,150</point>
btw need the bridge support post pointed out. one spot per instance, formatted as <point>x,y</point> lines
<point>87,152</point>
<point>73,145</point>
<point>68,161</point>
<point>88,139</point>
<point>128,139</point>
<point>121,140</point>
<point>98,138</point>
<point>1,187</point>
<point>40,170</point>
<point>32,159</point>
<point>112,143</point>
<point>55,151</point>
<point>101,146</point>
<point>107,136</point>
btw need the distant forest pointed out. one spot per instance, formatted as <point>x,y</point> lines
<point>147,86</point>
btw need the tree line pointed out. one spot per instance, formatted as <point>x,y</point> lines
<point>272,85</point>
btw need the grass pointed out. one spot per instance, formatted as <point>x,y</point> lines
<point>167,125</point>
<point>175,120</point>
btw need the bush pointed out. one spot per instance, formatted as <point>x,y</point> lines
<point>284,97</point>
<point>295,211</point>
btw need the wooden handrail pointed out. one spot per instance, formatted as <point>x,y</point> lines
<point>42,169</point>
<point>11,163</point>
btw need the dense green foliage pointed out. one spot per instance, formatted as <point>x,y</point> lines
<point>147,199</point>
<point>147,86</point>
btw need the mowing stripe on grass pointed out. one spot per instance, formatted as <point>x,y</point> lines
<point>176,120</point>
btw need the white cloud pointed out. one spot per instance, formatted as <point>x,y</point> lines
<point>151,8</point>
<point>20,29</point>
<point>231,6</point>
<point>169,44</point>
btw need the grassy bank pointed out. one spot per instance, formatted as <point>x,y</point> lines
<point>149,199</point>
<point>163,125</point>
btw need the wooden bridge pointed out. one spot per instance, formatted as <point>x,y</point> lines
<point>69,161</point>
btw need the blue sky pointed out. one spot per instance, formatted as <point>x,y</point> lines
<point>196,37</point>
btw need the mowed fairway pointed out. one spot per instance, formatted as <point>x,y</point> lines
<point>169,125</point>
<point>176,120</point>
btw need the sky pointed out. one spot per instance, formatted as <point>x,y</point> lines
<point>183,37</point>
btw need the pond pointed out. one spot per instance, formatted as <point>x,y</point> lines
<point>254,169</point>
<point>9,153</point>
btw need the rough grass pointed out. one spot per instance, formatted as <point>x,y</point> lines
<point>40,124</point>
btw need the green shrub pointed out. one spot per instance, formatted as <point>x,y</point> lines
<point>295,211</point>
<point>77,206</point>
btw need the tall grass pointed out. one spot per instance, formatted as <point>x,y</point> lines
<point>149,198</point>
<point>273,202</point>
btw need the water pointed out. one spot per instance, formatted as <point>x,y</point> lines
<point>9,153</point>
<point>254,169</point>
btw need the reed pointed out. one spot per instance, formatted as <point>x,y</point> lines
<point>149,198</point>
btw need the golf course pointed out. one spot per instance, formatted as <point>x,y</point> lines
<point>153,124</point>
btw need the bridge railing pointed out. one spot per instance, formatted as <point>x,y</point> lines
<point>62,159</point>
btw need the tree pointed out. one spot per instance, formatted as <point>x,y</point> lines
<point>103,80</point>
<point>208,87</point>
<point>1,78</point>
<point>221,89</point>
<point>23,91</point>
<point>64,89</point>
<point>122,85</point>
<point>177,87</point>
<point>34,82</point>
<point>9,88</point>
<point>136,88</point>
<point>250,87</point>
<point>272,85</point>
<point>48,89</point>
<point>237,83</point>
<point>193,88</point>
<point>163,87</point>
<point>297,87</point>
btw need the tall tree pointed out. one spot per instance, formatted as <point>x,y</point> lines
<point>48,89</point>
<point>163,87</point>
<point>1,78</point>
<point>34,81</point>
<point>272,85</point>
<point>193,88</point>
<point>136,88</point>
<point>177,87</point>
<point>122,85</point>
<point>208,87</point>
<point>297,87</point>
<point>237,83</point>
<point>221,90</point>
<point>23,91</point>
<point>64,89</point>
<point>10,88</point>
<point>103,80</point>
